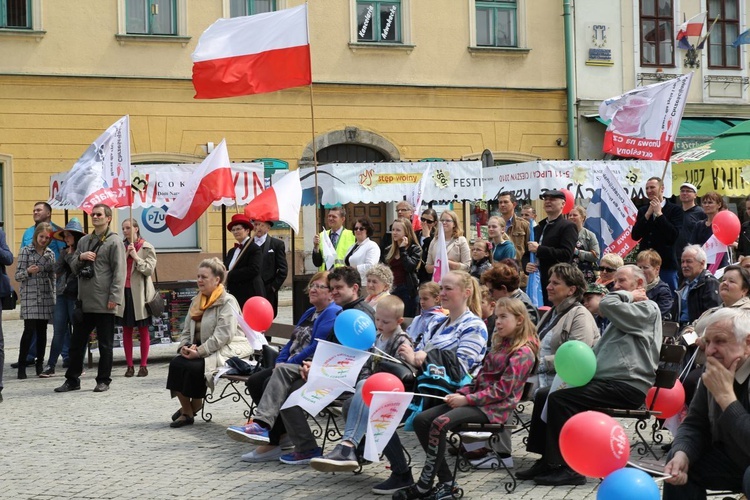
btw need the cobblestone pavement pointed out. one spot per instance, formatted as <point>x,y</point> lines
<point>118,444</point>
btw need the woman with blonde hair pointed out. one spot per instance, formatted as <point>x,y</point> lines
<point>502,247</point>
<point>210,336</point>
<point>404,256</point>
<point>610,263</point>
<point>587,247</point>
<point>459,253</point>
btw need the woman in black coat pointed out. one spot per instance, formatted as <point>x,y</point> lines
<point>404,257</point>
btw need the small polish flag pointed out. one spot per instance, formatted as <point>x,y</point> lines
<point>253,55</point>
<point>210,182</point>
<point>282,201</point>
<point>691,27</point>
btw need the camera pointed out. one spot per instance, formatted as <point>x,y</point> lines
<point>86,272</point>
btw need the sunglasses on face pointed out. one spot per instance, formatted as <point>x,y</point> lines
<point>607,269</point>
<point>427,221</point>
<point>359,228</point>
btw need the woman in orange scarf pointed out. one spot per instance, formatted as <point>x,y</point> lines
<point>211,335</point>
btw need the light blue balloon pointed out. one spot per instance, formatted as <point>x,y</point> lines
<point>355,329</point>
<point>628,484</point>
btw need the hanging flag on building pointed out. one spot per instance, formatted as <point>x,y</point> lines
<point>211,182</point>
<point>281,201</point>
<point>692,27</point>
<point>334,369</point>
<point>386,411</point>
<point>102,173</point>
<point>743,39</point>
<point>441,256</point>
<point>253,55</point>
<point>644,121</point>
<point>611,216</point>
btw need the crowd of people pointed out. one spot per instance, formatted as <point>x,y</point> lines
<point>478,320</point>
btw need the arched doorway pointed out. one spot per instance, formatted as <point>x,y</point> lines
<point>358,153</point>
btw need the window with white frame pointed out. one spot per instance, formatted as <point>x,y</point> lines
<point>15,14</point>
<point>379,21</point>
<point>239,8</point>
<point>497,23</point>
<point>726,16</point>
<point>151,17</point>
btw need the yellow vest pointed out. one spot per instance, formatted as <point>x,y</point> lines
<point>346,240</point>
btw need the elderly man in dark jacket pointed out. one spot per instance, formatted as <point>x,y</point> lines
<point>700,289</point>
<point>712,447</point>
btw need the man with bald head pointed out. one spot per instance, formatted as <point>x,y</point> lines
<point>626,359</point>
<point>712,447</point>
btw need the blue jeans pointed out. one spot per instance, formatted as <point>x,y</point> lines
<point>62,326</point>
<point>356,417</point>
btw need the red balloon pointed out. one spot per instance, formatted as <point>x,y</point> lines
<point>258,313</point>
<point>380,382</point>
<point>726,227</point>
<point>669,401</point>
<point>594,444</point>
<point>570,201</point>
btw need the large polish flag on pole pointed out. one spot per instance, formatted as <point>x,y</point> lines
<point>211,181</point>
<point>281,201</point>
<point>253,55</point>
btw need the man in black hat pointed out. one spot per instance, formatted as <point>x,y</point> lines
<point>554,239</point>
<point>273,262</point>
<point>243,262</point>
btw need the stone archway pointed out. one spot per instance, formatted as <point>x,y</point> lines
<point>350,135</point>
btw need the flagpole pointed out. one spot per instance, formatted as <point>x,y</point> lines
<point>315,156</point>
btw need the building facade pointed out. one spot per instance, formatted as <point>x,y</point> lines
<point>392,80</point>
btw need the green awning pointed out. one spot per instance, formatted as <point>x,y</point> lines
<point>695,131</point>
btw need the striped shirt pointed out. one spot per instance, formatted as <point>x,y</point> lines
<point>467,336</point>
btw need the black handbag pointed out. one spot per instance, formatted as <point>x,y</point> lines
<point>9,302</point>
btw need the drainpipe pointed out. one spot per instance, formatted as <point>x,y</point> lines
<point>570,80</point>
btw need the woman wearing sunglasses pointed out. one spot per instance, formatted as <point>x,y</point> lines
<point>429,224</point>
<point>365,253</point>
<point>607,266</point>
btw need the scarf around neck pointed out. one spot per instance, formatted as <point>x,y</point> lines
<point>196,313</point>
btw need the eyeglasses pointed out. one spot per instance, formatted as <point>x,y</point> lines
<point>427,221</point>
<point>447,221</point>
<point>359,228</point>
<point>607,269</point>
<point>402,210</point>
<point>97,215</point>
<point>316,286</point>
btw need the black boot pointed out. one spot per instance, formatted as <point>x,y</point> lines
<point>21,371</point>
<point>39,366</point>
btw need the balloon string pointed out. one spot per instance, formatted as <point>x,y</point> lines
<point>650,471</point>
<point>388,356</point>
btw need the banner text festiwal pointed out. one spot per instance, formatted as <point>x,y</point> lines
<point>528,180</point>
<point>158,185</point>
<point>644,122</point>
<point>341,183</point>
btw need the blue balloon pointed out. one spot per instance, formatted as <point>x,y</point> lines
<point>628,484</point>
<point>355,329</point>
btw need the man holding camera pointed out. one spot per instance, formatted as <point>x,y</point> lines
<point>99,263</point>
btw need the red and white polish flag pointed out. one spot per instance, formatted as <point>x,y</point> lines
<point>211,181</point>
<point>253,55</point>
<point>282,201</point>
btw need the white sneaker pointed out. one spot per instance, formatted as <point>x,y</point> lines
<point>490,461</point>
<point>269,456</point>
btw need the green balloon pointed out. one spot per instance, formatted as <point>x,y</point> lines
<point>575,363</point>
